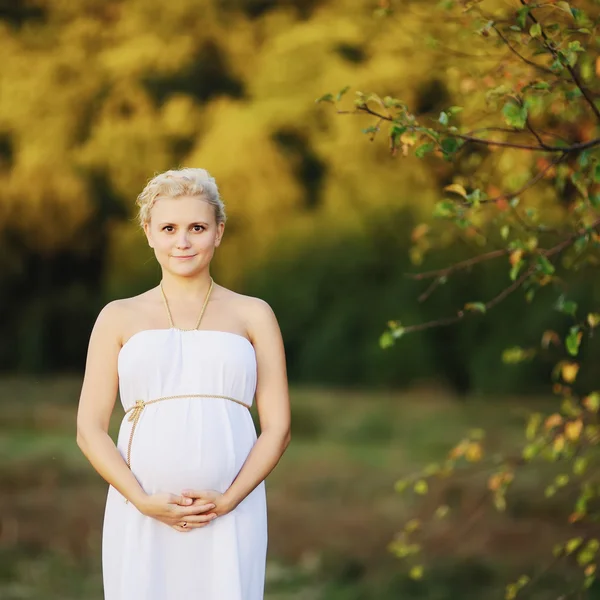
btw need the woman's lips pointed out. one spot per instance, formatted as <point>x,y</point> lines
<point>184,257</point>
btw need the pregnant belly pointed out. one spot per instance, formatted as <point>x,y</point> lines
<point>187,446</point>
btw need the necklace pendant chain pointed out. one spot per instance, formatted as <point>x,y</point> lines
<point>162,291</point>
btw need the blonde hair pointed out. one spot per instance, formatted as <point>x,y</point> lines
<point>181,182</point>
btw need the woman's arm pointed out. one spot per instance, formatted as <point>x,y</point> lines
<point>96,403</point>
<point>272,399</point>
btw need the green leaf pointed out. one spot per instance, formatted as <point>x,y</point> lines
<point>545,265</point>
<point>475,306</point>
<point>567,307</point>
<point>341,93</point>
<point>530,451</point>
<point>443,118</point>
<point>514,272</point>
<point>421,487</point>
<point>515,115</point>
<point>444,208</point>
<point>504,231</point>
<point>564,6</point>
<point>580,465</point>
<point>573,544</point>
<point>421,151</point>
<point>522,16</point>
<point>574,93</point>
<point>541,85</point>
<point>573,340</point>
<point>325,98</point>
<point>397,131</point>
<point>386,340</point>
<point>516,354</point>
<point>450,145</point>
<point>535,30</point>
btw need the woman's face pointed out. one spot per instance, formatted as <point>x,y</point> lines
<point>184,233</point>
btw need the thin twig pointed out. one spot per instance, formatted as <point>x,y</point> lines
<point>523,58</point>
<point>461,314</point>
<point>465,264</point>
<point>577,147</point>
<point>576,79</point>
<point>530,183</point>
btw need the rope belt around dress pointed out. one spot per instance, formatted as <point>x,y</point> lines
<point>137,409</point>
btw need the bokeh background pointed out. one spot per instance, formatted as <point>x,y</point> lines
<point>96,96</point>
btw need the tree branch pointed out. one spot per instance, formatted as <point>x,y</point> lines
<point>576,79</point>
<point>577,147</point>
<point>530,183</point>
<point>523,58</point>
<point>461,314</point>
<point>464,264</point>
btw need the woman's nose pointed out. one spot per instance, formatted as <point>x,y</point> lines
<point>183,241</point>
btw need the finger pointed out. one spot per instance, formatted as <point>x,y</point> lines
<point>184,511</point>
<point>181,529</point>
<point>181,500</point>
<point>201,508</point>
<point>200,518</point>
<point>197,525</point>
<point>193,493</point>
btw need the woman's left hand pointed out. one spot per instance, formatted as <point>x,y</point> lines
<point>222,506</point>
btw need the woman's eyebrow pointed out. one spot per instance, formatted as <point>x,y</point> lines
<point>189,225</point>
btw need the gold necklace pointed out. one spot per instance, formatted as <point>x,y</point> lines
<point>201,312</point>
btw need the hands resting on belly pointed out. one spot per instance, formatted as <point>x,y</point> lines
<point>191,510</point>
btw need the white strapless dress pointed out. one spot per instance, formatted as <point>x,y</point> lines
<point>186,442</point>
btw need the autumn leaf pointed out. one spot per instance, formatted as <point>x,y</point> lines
<point>553,421</point>
<point>515,257</point>
<point>592,402</point>
<point>593,319</point>
<point>474,452</point>
<point>573,429</point>
<point>456,188</point>
<point>550,337</point>
<point>419,231</point>
<point>569,371</point>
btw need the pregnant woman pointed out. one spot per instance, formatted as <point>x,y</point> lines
<point>185,514</point>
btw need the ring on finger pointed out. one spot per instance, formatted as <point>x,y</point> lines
<point>184,524</point>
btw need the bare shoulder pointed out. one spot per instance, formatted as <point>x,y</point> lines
<point>248,305</point>
<point>256,313</point>
<point>116,314</point>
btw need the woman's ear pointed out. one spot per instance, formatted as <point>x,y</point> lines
<point>220,231</point>
<point>147,232</point>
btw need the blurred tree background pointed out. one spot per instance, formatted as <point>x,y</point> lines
<point>99,95</point>
<point>326,224</point>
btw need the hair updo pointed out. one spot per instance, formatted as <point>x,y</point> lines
<point>181,182</point>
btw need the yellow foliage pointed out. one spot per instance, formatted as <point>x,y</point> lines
<point>569,371</point>
<point>76,100</point>
<point>573,429</point>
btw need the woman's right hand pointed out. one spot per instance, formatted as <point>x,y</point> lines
<point>177,511</point>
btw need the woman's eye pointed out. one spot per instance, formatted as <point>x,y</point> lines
<point>168,227</point>
<point>199,227</point>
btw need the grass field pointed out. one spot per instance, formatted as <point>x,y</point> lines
<point>332,505</point>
